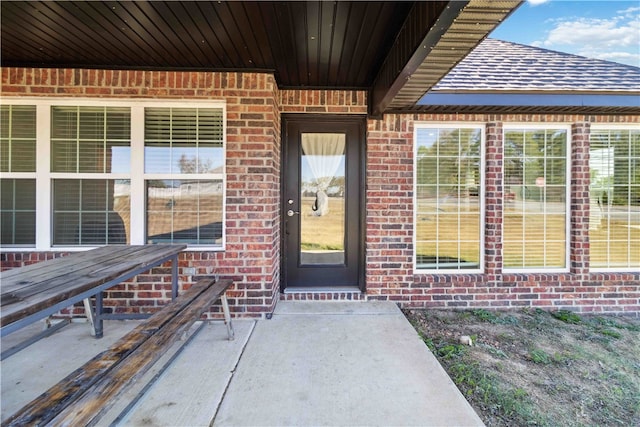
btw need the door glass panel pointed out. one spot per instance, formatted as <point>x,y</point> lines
<point>322,211</point>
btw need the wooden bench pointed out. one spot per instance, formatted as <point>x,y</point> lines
<point>34,292</point>
<point>89,392</point>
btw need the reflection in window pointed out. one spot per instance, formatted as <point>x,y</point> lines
<point>535,198</point>
<point>322,196</point>
<point>614,219</point>
<point>90,140</point>
<point>184,143</point>
<point>448,206</point>
<point>185,211</point>
<point>183,140</point>
<point>91,162</point>
<point>91,211</point>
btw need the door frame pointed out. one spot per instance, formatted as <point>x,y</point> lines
<point>352,119</point>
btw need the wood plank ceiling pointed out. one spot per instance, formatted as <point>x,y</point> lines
<point>306,44</point>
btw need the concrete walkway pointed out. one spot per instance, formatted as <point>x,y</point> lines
<point>312,364</point>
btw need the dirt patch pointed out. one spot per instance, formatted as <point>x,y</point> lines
<point>534,367</point>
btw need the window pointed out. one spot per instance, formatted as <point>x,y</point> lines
<point>614,212</point>
<point>91,211</point>
<point>90,146</point>
<point>184,143</point>
<point>112,172</point>
<point>535,198</point>
<point>448,207</point>
<point>18,211</point>
<point>18,167</point>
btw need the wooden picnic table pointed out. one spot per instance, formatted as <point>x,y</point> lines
<point>87,393</point>
<point>36,291</point>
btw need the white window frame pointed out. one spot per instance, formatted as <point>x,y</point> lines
<point>568,177</point>
<point>44,176</point>
<point>481,195</point>
<point>601,127</point>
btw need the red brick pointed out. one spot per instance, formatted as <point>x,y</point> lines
<point>254,104</point>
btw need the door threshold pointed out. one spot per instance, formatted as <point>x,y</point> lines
<point>322,290</point>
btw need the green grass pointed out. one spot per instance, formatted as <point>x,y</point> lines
<point>532,367</point>
<point>566,316</point>
<point>539,356</point>
<point>476,383</point>
<point>493,316</point>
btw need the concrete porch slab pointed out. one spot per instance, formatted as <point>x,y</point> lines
<point>335,307</point>
<point>315,363</point>
<point>30,372</point>
<point>189,391</point>
<point>340,363</point>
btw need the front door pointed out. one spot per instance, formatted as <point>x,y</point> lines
<point>322,201</point>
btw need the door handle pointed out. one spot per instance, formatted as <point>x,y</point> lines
<point>291,212</point>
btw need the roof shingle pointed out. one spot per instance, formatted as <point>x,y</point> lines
<point>500,66</point>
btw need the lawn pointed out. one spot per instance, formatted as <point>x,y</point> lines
<point>322,232</point>
<point>534,367</point>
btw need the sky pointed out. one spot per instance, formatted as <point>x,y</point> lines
<point>601,29</point>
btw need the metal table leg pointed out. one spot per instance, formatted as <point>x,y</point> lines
<point>174,277</point>
<point>227,317</point>
<point>98,326</point>
<point>88,311</point>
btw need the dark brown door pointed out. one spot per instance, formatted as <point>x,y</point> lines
<point>322,201</point>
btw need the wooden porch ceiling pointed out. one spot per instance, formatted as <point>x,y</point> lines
<point>396,50</point>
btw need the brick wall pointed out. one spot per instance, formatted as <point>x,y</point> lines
<point>390,231</point>
<point>251,257</point>
<point>389,206</point>
<point>323,101</point>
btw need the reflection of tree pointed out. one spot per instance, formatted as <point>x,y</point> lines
<point>554,163</point>
<point>334,185</point>
<point>157,183</point>
<point>337,181</point>
<point>454,160</point>
<point>513,154</point>
<point>626,190</point>
<point>193,164</point>
<point>533,154</point>
<point>448,176</point>
<point>622,151</point>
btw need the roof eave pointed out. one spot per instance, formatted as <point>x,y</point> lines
<point>527,103</point>
<point>458,30</point>
<point>515,99</point>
